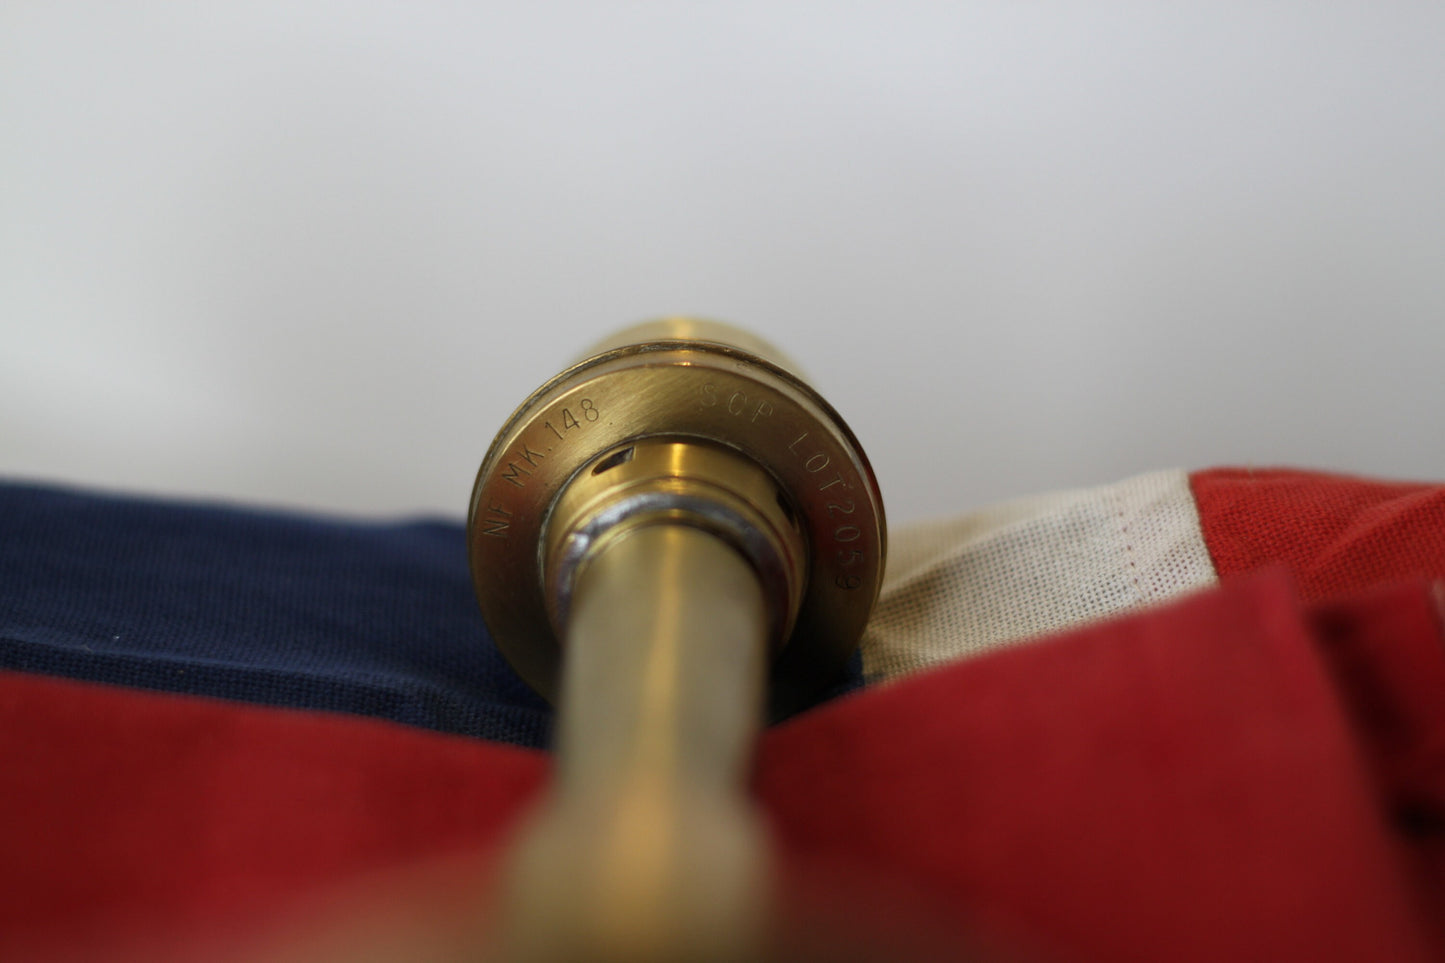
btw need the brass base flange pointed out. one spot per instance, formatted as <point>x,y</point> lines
<point>697,385</point>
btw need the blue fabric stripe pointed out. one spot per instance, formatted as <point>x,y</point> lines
<point>267,607</point>
<point>273,608</point>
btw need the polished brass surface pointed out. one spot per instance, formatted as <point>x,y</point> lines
<point>646,849</point>
<point>696,331</point>
<point>706,391</point>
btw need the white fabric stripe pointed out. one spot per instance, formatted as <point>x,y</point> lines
<point>960,587</point>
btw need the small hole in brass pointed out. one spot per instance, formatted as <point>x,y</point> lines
<point>613,460</point>
<point>787,508</point>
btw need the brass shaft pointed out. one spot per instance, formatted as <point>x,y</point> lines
<point>648,849</point>
<point>665,663</point>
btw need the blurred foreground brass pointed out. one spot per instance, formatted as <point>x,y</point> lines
<point>665,538</point>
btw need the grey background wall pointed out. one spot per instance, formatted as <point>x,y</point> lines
<point>312,254</point>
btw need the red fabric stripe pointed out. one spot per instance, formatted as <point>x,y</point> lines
<point>1218,779</point>
<point>1184,785</point>
<point>1339,535</point>
<point>127,812</point>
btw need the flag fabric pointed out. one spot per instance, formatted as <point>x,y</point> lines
<point>1185,716</point>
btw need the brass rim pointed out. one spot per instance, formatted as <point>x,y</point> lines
<point>680,389</point>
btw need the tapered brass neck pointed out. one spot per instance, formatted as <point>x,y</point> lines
<point>688,482</point>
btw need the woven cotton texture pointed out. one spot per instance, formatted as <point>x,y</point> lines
<point>366,618</point>
<point>1025,568</point>
<point>339,615</point>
